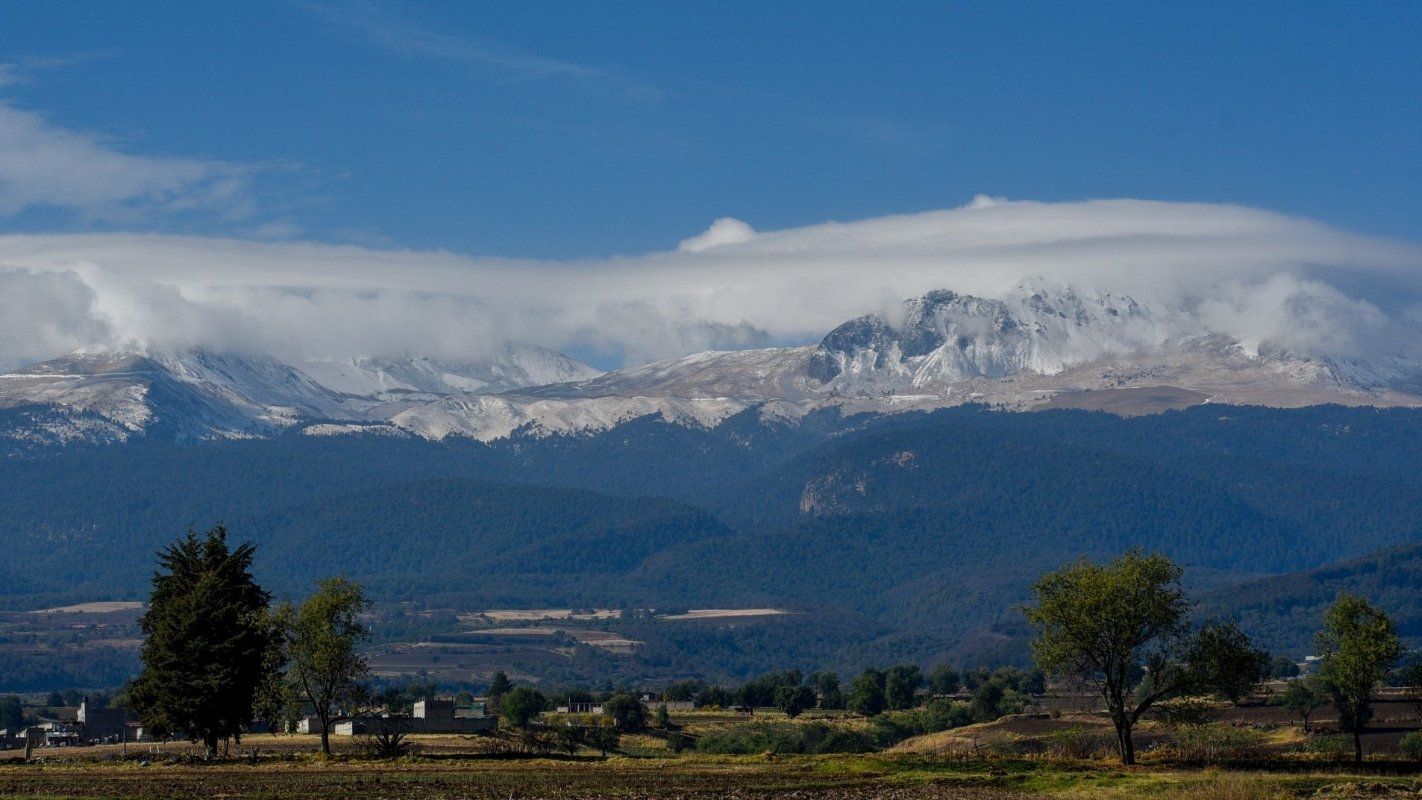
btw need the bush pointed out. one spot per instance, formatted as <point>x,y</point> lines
<point>942,715</point>
<point>1335,746</point>
<point>844,740</point>
<point>1219,742</point>
<point>1411,746</point>
<point>892,727</point>
<point>678,741</point>
<point>1079,742</point>
<point>744,740</point>
<point>786,739</point>
<point>1002,745</point>
<point>386,745</point>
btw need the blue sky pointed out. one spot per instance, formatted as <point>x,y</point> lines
<point>571,130</point>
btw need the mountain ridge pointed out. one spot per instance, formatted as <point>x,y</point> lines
<point>1037,348</point>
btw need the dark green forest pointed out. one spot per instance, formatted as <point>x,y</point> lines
<point>908,536</point>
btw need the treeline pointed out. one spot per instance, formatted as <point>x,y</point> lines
<point>218,656</point>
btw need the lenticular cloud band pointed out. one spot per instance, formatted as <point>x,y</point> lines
<point>1252,274</point>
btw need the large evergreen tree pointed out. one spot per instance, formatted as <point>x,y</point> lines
<point>205,643</point>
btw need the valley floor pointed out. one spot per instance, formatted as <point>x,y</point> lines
<point>690,777</point>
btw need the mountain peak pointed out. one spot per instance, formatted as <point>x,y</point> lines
<point>945,336</point>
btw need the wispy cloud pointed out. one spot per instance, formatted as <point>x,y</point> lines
<point>43,165</point>
<point>387,31</point>
<point>27,69</point>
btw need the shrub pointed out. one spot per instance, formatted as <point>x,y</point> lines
<point>1411,746</point>
<point>942,715</point>
<point>787,739</point>
<point>740,740</point>
<point>1002,745</point>
<point>843,740</point>
<point>678,741</point>
<point>1078,742</point>
<point>1337,746</point>
<point>892,727</point>
<point>386,744</point>
<point>1219,742</point>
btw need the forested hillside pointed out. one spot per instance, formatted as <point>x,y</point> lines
<point>931,525</point>
<point>1284,611</point>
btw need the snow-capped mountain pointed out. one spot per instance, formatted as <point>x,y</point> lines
<point>513,366</point>
<point>194,394</point>
<point>1036,348</point>
<point>947,338</point>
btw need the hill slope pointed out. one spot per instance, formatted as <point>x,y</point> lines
<point>1285,611</point>
<point>930,525</point>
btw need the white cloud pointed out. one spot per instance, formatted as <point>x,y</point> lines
<point>1260,276</point>
<point>43,165</point>
<point>44,313</point>
<point>726,230</point>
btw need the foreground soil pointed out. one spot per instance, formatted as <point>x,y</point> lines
<point>482,780</point>
<point>804,778</point>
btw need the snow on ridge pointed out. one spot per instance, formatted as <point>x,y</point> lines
<point>1013,352</point>
<point>514,366</point>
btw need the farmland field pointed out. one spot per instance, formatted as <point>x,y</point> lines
<point>808,778</point>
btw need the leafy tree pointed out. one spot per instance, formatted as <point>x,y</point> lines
<point>498,686</point>
<point>325,638</point>
<point>522,704</point>
<point>1121,628</point>
<point>663,718</point>
<point>1282,668</point>
<point>1358,645</point>
<point>54,700</point>
<point>1411,746</point>
<point>12,713</point>
<point>986,704</point>
<point>943,680</point>
<point>973,678</point>
<point>794,699</point>
<point>1224,659</point>
<point>276,700</point>
<point>1410,679</point>
<point>626,711</point>
<point>682,691</point>
<point>1303,697</point>
<point>1033,682</point>
<point>604,738</point>
<point>205,641</point>
<point>826,685</point>
<point>941,714</point>
<point>901,684</point>
<point>866,693</point>
<point>996,697</point>
<point>714,696</point>
<point>761,691</point>
<point>569,738</point>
